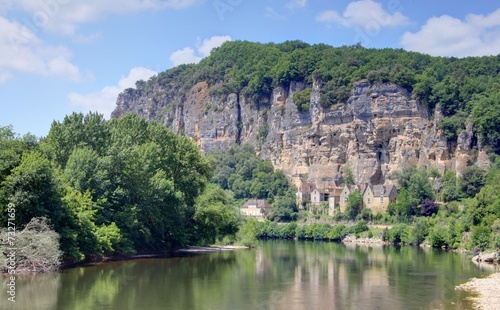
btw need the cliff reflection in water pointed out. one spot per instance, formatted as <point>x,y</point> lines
<point>277,275</point>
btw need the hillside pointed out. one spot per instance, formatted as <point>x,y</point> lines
<point>315,109</point>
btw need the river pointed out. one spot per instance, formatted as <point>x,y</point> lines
<point>276,275</point>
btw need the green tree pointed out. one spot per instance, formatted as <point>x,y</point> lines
<point>449,190</point>
<point>214,217</point>
<point>472,180</point>
<point>33,188</point>
<point>348,175</point>
<point>354,204</point>
<point>481,237</point>
<point>285,208</point>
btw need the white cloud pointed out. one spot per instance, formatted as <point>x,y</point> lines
<point>296,4</point>
<point>367,13</point>
<point>188,55</point>
<point>104,101</point>
<point>64,16</point>
<point>21,51</point>
<point>209,44</point>
<point>184,56</point>
<point>477,35</point>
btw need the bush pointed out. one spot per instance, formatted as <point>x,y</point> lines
<point>429,207</point>
<point>438,237</point>
<point>398,234</point>
<point>359,227</point>
<point>302,99</point>
<point>496,241</point>
<point>320,231</point>
<point>419,231</point>
<point>37,247</point>
<point>288,231</point>
<point>366,215</point>
<point>337,233</point>
<point>247,235</point>
<point>481,237</point>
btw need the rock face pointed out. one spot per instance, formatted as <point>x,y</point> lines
<point>377,132</point>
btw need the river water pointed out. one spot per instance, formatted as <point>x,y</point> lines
<point>276,275</point>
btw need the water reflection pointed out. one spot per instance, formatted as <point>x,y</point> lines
<point>276,275</point>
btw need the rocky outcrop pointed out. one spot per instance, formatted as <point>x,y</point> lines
<point>379,130</point>
<point>487,257</point>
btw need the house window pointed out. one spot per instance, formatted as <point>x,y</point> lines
<point>381,199</point>
<point>368,200</point>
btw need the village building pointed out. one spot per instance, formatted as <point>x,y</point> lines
<point>258,208</point>
<point>326,197</point>
<point>334,201</point>
<point>347,190</point>
<point>303,194</point>
<point>378,197</point>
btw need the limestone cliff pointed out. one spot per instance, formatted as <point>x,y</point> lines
<point>379,130</point>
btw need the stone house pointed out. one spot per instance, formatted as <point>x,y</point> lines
<point>323,192</point>
<point>334,201</point>
<point>347,190</point>
<point>378,197</point>
<point>258,208</point>
<point>303,195</point>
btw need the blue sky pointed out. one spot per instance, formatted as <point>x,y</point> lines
<point>60,56</point>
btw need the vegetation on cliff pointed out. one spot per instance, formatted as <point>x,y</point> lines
<point>462,89</point>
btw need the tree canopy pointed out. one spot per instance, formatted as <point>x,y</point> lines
<point>123,185</point>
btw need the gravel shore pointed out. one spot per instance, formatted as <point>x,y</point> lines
<point>487,290</point>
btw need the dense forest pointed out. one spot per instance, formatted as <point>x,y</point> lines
<point>118,186</point>
<point>460,88</point>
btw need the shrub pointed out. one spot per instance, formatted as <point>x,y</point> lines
<point>481,237</point>
<point>302,99</point>
<point>398,234</point>
<point>438,237</point>
<point>37,247</point>
<point>288,231</point>
<point>496,241</point>
<point>419,231</point>
<point>337,233</point>
<point>429,207</point>
<point>320,231</point>
<point>359,227</point>
<point>247,235</point>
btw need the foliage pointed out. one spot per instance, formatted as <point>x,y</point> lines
<point>429,207</point>
<point>481,237</point>
<point>419,231</point>
<point>247,176</point>
<point>302,99</point>
<point>415,188</point>
<point>354,204</point>
<point>285,208</point>
<point>358,228</point>
<point>438,237</point>
<point>117,186</point>
<point>348,175</point>
<point>398,234</point>
<point>472,180</point>
<point>449,191</point>
<point>459,88</point>
<point>248,233</point>
<point>214,217</point>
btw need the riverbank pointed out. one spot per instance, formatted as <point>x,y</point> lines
<point>487,290</point>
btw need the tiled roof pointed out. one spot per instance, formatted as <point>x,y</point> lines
<point>382,190</point>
